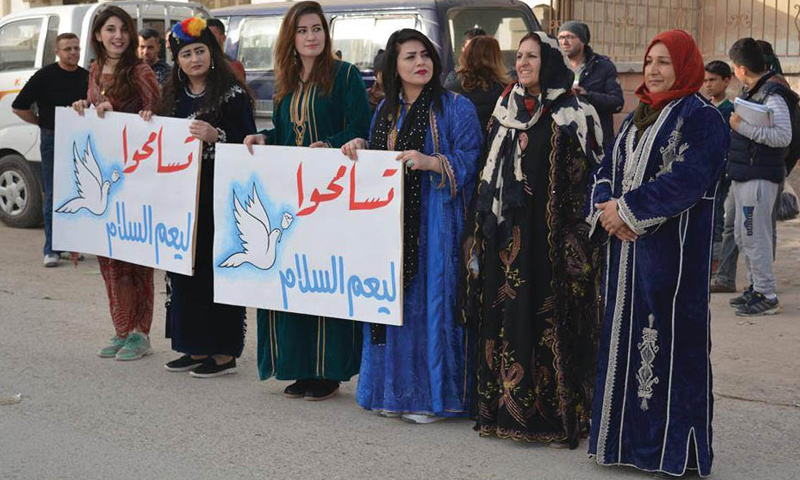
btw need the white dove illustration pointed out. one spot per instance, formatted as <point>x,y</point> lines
<point>92,190</point>
<point>259,240</point>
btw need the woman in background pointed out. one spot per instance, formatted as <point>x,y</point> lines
<point>481,75</point>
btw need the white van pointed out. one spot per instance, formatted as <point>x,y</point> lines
<point>27,43</point>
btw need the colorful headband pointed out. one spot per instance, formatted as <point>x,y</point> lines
<point>191,30</point>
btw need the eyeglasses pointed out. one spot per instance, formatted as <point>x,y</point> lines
<point>567,36</point>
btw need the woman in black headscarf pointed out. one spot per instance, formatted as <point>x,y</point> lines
<point>531,276</point>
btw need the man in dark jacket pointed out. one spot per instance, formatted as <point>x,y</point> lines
<point>596,79</point>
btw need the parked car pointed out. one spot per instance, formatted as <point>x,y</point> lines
<point>360,28</point>
<point>27,42</point>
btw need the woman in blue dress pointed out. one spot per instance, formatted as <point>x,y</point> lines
<point>422,370</point>
<point>652,202</point>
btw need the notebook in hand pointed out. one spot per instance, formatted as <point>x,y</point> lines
<point>754,113</point>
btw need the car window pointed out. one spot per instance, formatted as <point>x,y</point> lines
<point>507,25</point>
<point>257,37</point>
<point>18,44</point>
<point>50,41</point>
<point>359,38</point>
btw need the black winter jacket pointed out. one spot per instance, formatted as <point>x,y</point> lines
<point>599,79</point>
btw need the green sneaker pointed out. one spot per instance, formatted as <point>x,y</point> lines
<point>111,350</point>
<point>137,345</point>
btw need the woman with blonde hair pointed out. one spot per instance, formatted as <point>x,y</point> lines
<point>481,75</point>
<point>120,82</point>
<point>319,101</point>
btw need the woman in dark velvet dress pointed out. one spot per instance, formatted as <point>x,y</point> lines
<point>203,88</point>
<point>531,271</point>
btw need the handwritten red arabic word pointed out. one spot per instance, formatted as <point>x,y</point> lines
<point>147,150</point>
<point>334,190</point>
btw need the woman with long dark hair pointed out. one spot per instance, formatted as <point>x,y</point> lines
<point>318,102</point>
<point>120,82</point>
<point>422,370</point>
<point>481,75</point>
<point>531,282</point>
<point>202,87</point>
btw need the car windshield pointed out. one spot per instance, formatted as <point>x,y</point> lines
<point>257,39</point>
<point>358,38</point>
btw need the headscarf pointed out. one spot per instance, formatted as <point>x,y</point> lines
<point>190,30</point>
<point>502,188</point>
<point>687,62</point>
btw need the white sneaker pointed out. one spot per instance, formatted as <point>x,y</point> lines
<point>420,419</point>
<point>51,260</point>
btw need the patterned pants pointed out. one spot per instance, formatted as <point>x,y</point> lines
<point>130,295</point>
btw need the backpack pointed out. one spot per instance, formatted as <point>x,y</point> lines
<point>793,152</point>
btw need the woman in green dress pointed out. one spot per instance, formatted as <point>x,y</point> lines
<point>318,102</point>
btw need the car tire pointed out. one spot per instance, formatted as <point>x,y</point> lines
<point>20,192</point>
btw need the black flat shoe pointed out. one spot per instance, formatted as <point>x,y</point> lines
<point>297,389</point>
<point>321,390</point>
<point>210,369</point>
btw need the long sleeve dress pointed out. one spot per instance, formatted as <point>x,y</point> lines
<point>533,297</point>
<point>129,287</point>
<point>196,324</point>
<point>653,401</point>
<point>293,346</point>
<point>425,366</point>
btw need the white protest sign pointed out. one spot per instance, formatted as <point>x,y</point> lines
<point>126,189</point>
<point>307,230</point>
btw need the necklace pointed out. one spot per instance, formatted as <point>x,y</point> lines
<point>298,111</point>
<point>193,95</point>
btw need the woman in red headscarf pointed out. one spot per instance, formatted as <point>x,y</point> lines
<point>652,203</point>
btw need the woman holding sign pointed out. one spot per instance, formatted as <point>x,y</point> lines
<point>203,88</point>
<point>422,370</point>
<point>531,273</point>
<point>318,102</point>
<point>120,82</point>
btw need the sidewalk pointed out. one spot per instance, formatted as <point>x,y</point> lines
<point>82,417</point>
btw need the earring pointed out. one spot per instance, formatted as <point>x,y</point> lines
<point>212,64</point>
<point>179,74</point>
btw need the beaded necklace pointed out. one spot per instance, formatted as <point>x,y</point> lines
<point>299,110</point>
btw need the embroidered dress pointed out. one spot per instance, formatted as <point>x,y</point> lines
<point>293,346</point>
<point>531,282</point>
<point>194,322</point>
<point>653,401</point>
<point>425,366</point>
<point>129,287</point>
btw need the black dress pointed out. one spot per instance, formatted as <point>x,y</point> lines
<point>484,100</point>
<point>196,324</point>
<point>537,334</point>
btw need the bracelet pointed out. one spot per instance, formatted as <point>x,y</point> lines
<point>221,135</point>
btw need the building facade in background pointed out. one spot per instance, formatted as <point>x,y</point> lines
<point>622,29</point>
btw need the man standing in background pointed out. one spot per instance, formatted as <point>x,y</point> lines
<point>218,29</point>
<point>56,85</point>
<point>149,51</point>
<point>596,79</point>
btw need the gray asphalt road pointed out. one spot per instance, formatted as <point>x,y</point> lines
<point>82,417</point>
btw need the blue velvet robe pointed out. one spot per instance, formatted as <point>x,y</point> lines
<point>653,402</point>
<point>425,366</point>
